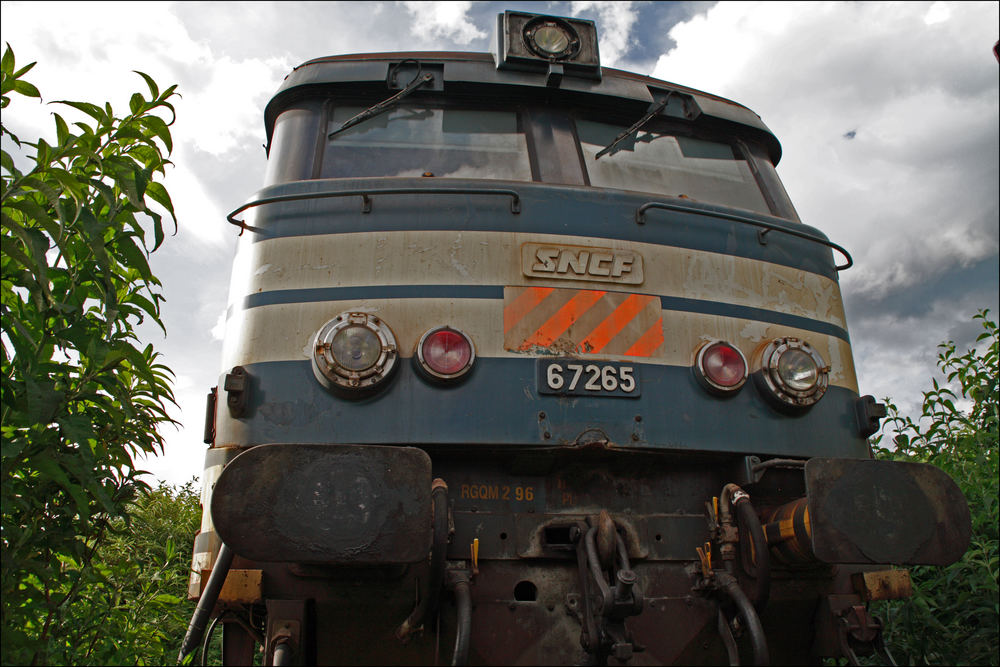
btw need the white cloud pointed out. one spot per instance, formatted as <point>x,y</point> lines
<point>937,13</point>
<point>615,21</point>
<point>443,20</point>
<point>915,179</point>
<point>218,332</point>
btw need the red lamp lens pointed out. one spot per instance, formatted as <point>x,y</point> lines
<point>723,365</point>
<point>446,352</point>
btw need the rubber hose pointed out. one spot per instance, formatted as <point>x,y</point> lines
<point>729,641</point>
<point>731,587</point>
<point>748,518</point>
<point>427,607</point>
<point>463,630</point>
<point>199,620</point>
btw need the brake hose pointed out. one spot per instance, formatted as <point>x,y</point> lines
<point>731,587</point>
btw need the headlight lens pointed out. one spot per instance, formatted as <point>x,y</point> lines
<point>551,39</point>
<point>791,373</point>
<point>354,354</point>
<point>356,348</point>
<point>797,370</point>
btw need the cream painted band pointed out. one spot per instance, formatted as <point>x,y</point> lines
<point>208,480</point>
<point>494,258</point>
<point>284,332</point>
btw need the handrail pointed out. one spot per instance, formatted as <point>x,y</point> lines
<point>366,202</point>
<point>640,218</point>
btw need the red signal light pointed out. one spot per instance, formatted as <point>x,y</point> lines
<point>721,367</point>
<point>445,353</point>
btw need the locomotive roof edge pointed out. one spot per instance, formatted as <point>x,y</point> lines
<point>317,76</point>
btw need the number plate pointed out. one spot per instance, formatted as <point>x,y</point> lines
<point>578,377</point>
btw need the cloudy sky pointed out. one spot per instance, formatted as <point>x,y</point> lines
<point>887,114</point>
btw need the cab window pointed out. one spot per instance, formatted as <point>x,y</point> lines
<point>673,165</point>
<point>412,141</point>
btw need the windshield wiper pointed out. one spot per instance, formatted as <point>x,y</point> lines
<point>655,109</point>
<point>385,105</point>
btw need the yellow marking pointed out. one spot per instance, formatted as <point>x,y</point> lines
<point>474,548</point>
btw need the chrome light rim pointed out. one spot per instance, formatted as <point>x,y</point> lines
<point>335,375</point>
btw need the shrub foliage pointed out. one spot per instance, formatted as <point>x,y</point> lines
<point>80,395</point>
<point>952,617</point>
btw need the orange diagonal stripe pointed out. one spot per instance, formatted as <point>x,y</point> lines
<point>522,305</point>
<point>564,318</point>
<point>648,342</point>
<point>614,323</point>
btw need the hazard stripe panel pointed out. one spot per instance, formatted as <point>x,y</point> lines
<point>571,321</point>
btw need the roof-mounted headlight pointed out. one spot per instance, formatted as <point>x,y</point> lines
<point>354,354</point>
<point>791,373</point>
<point>550,37</point>
<point>547,45</point>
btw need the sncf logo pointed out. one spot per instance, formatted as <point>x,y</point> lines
<point>581,263</point>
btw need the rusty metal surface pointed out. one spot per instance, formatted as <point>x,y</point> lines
<point>883,585</point>
<point>326,504</point>
<point>864,511</point>
<point>240,586</point>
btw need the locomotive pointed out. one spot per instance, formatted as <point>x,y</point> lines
<point>532,361</point>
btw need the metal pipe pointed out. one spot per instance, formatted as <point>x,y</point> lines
<point>463,628</point>
<point>282,654</point>
<point>761,558</point>
<point>778,463</point>
<point>731,587</point>
<point>206,603</point>
<point>428,603</point>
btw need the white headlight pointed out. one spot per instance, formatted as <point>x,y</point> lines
<point>791,372</point>
<point>354,353</point>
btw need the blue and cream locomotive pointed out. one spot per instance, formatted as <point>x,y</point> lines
<point>529,361</point>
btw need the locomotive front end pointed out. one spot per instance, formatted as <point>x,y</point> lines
<point>533,362</point>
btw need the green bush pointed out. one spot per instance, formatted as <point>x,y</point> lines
<point>80,395</point>
<point>953,616</point>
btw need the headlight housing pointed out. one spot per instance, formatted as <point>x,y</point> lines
<point>354,354</point>
<point>791,373</point>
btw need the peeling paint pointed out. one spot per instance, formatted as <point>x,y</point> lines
<point>755,331</point>
<point>456,247</point>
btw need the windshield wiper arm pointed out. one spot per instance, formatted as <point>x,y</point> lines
<point>636,126</point>
<point>384,105</point>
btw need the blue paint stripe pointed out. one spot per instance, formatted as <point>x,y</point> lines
<point>313,294</point>
<point>499,405</point>
<point>750,313</point>
<point>545,209</point>
<point>682,304</point>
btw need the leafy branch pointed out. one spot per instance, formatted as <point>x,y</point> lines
<point>81,395</point>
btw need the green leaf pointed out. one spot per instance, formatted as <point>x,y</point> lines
<point>49,468</point>
<point>8,61</point>
<point>26,89</point>
<point>154,92</point>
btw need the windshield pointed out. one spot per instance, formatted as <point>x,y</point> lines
<point>677,166</point>
<point>413,141</point>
